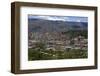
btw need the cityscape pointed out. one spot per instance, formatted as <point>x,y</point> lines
<point>57,37</point>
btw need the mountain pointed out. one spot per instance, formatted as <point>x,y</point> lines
<point>40,25</point>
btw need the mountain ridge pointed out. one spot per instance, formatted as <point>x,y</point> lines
<point>40,25</point>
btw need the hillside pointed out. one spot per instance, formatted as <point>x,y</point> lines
<point>39,25</point>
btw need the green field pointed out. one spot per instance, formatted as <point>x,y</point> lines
<point>40,54</point>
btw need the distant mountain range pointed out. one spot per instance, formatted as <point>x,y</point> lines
<point>40,25</point>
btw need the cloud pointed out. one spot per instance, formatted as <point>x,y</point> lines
<point>60,18</point>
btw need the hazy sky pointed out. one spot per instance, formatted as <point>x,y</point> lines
<point>60,18</point>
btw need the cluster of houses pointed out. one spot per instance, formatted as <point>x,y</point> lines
<point>57,41</point>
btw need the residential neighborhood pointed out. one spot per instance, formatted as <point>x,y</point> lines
<point>56,41</point>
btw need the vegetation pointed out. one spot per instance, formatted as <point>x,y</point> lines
<point>40,53</point>
<point>75,33</point>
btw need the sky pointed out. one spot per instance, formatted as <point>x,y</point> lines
<point>60,18</point>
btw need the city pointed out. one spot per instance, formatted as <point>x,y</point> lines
<point>57,39</point>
